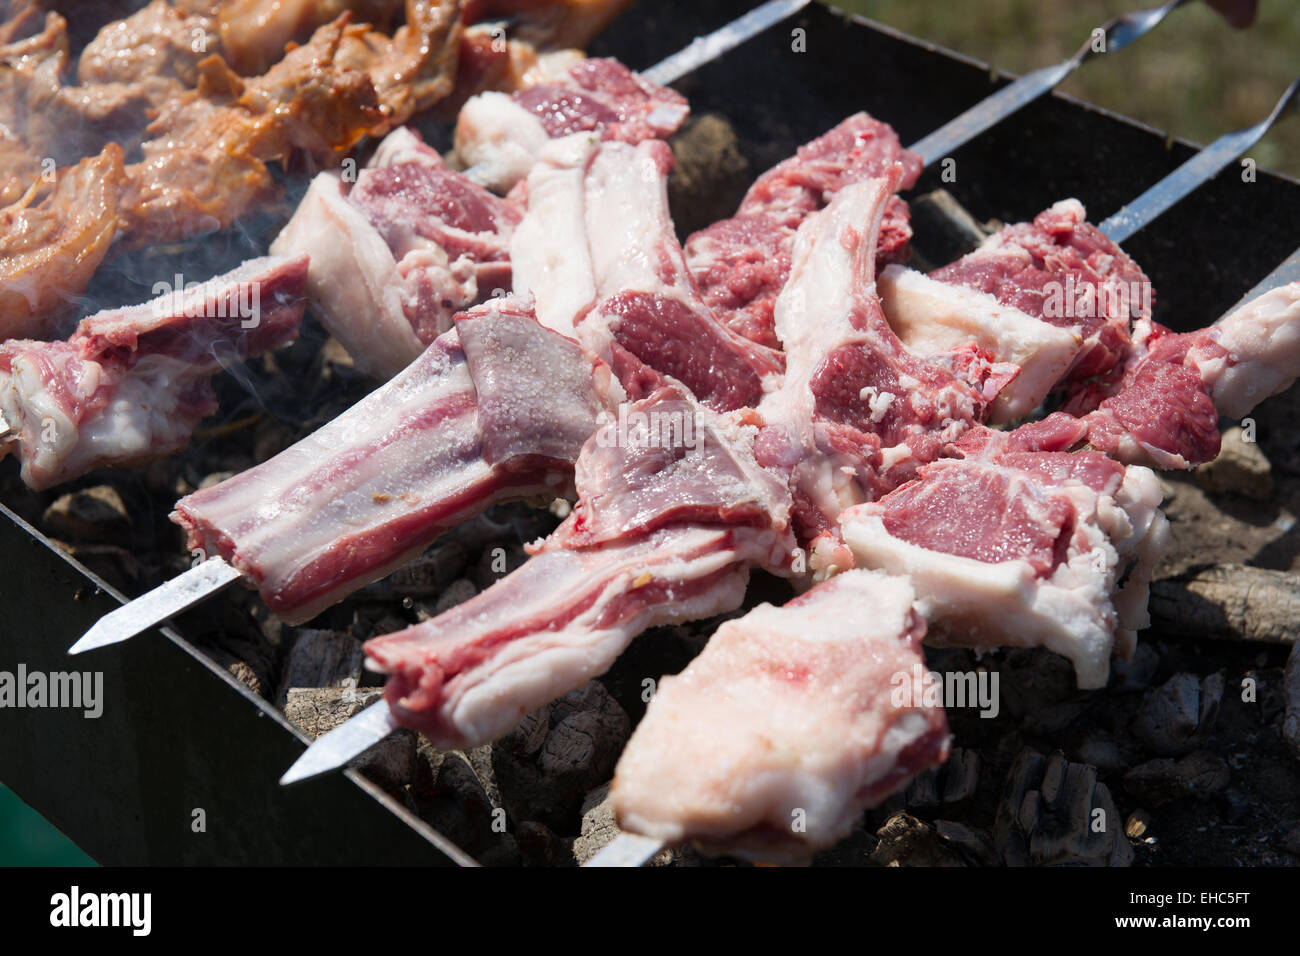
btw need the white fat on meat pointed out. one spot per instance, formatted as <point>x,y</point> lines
<point>353,281</point>
<point>467,676</point>
<point>1262,340</point>
<point>932,317</point>
<point>499,139</point>
<point>549,249</point>
<point>1021,559</point>
<point>788,712</point>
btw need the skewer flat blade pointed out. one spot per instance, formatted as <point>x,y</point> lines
<point>990,111</point>
<point>348,740</point>
<point>713,45</point>
<point>627,849</point>
<point>1202,167</point>
<point>166,601</point>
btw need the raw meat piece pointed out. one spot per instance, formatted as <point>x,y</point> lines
<point>932,317</point>
<point>857,412</point>
<point>132,384</point>
<point>741,264</point>
<point>398,254</point>
<point>500,135</point>
<point>787,716</point>
<point>686,531</point>
<point>1023,549</point>
<point>1063,271</point>
<point>598,250</point>
<point>496,409</point>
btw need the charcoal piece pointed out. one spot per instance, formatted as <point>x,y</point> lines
<point>1165,779</point>
<point>1178,716</point>
<point>1056,813</point>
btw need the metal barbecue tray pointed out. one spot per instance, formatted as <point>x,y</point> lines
<point>178,734</point>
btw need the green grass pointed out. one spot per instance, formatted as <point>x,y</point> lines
<point>1193,75</point>
<point>27,839</point>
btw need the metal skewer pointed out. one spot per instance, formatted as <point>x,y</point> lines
<point>1203,166</point>
<point>1117,34</point>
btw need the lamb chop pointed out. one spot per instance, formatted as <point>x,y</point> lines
<point>775,739</point>
<point>495,409</point>
<point>475,419</point>
<point>1054,296</point>
<point>741,264</point>
<point>500,135</point>
<point>395,256</point>
<point>130,384</point>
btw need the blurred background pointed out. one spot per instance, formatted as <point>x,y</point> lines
<point>1194,77</point>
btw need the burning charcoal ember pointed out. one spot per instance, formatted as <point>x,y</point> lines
<point>806,731</point>
<point>711,174</point>
<point>1040,689</point>
<point>116,565</point>
<point>449,795</point>
<point>320,659</point>
<point>540,846</point>
<point>1056,813</point>
<point>954,781</point>
<point>1178,716</point>
<point>1240,467</point>
<point>1291,688</point>
<point>1230,602</point>
<point>495,409</point>
<point>741,264</point>
<point>397,254</point>
<point>501,135</point>
<point>599,827</point>
<point>318,710</point>
<point>547,765</point>
<point>1165,779</point>
<point>133,383</point>
<point>91,514</point>
<point>907,841</point>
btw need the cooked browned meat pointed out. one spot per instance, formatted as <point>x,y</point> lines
<point>204,165</point>
<point>50,249</point>
<point>18,168</point>
<point>416,67</point>
<point>549,24</point>
<point>158,46</point>
<point>60,122</point>
<point>254,33</point>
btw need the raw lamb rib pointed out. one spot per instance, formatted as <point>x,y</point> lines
<point>1054,297</point>
<point>857,412</point>
<point>396,255</point>
<point>788,716</point>
<point>598,250</point>
<point>130,384</point>
<point>1023,549</point>
<point>665,530</point>
<point>742,263</point>
<point>495,409</point>
<point>500,135</point>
